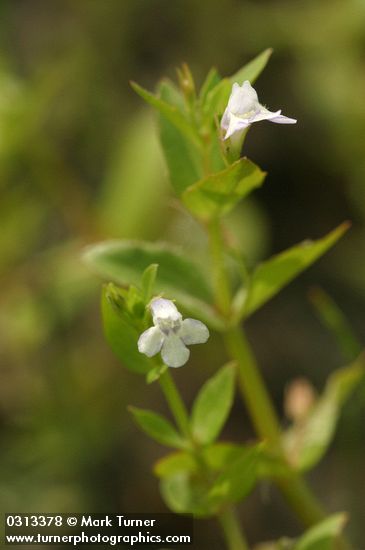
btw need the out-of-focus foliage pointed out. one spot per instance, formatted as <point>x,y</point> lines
<point>70,131</point>
<point>320,537</point>
<point>308,439</point>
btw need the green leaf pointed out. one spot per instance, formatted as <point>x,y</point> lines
<point>134,302</point>
<point>171,94</point>
<point>155,373</point>
<point>336,322</point>
<point>212,405</point>
<point>122,336</point>
<point>217,99</point>
<point>186,490</point>
<point>253,69</point>
<point>125,261</point>
<point>148,280</point>
<point>217,194</point>
<point>271,466</point>
<point>178,277</point>
<point>322,536</point>
<point>209,84</point>
<point>306,443</point>
<point>132,189</point>
<point>216,457</point>
<point>158,428</point>
<point>175,463</point>
<point>219,455</point>
<point>186,494</point>
<point>238,479</point>
<point>271,276</point>
<point>170,112</point>
<point>182,157</point>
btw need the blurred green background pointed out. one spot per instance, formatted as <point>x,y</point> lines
<point>79,162</point>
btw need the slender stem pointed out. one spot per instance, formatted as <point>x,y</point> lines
<point>253,388</point>
<point>221,284</point>
<point>231,529</point>
<point>175,402</point>
<point>266,423</point>
<point>255,394</point>
<point>301,499</point>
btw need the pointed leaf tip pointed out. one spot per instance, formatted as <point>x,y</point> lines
<point>157,427</point>
<point>271,276</point>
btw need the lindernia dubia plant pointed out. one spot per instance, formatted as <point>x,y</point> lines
<point>202,135</point>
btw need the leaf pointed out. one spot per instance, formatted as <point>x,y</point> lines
<point>271,466</point>
<point>155,373</point>
<point>122,336</point>
<point>178,277</point>
<point>220,455</point>
<point>132,189</point>
<point>170,112</point>
<point>212,405</point>
<point>158,428</point>
<point>322,535</point>
<point>217,99</point>
<point>182,157</point>
<point>238,479</point>
<point>253,69</point>
<point>217,194</point>
<point>271,276</point>
<point>125,261</point>
<point>216,457</point>
<point>187,494</point>
<point>209,84</point>
<point>185,490</point>
<point>306,443</point>
<point>175,463</point>
<point>335,321</point>
<point>148,280</point>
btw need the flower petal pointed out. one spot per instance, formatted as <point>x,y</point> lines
<point>264,114</point>
<point>235,125</point>
<point>174,352</point>
<point>150,341</point>
<point>281,119</point>
<point>193,332</point>
<point>164,309</point>
<point>225,119</point>
<point>243,99</point>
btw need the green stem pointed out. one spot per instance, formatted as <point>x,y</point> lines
<point>176,403</point>
<point>266,423</point>
<point>232,531</point>
<point>221,284</point>
<point>253,388</point>
<point>254,391</point>
<point>301,499</point>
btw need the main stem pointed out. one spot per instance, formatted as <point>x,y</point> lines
<point>227,517</point>
<point>253,388</point>
<point>264,418</point>
<point>232,531</point>
<point>254,391</point>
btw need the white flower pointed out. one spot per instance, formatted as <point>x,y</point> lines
<point>244,108</point>
<point>171,334</point>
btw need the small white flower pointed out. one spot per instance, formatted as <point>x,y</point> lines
<point>244,109</point>
<point>171,334</point>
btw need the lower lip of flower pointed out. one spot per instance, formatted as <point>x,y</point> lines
<point>167,325</point>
